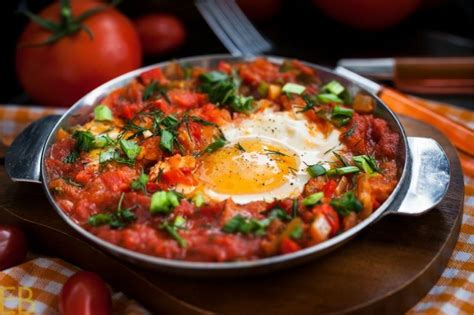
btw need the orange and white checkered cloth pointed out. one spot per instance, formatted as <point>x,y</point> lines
<point>33,288</point>
<point>453,294</point>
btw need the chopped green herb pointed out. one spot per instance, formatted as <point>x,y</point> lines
<point>216,145</point>
<point>275,152</point>
<point>166,141</point>
<point>365,163</point>
<point>350,131</point>
<point>71,182</point>
<point>102,113</point>
<point>170,121</point>
<point>173,232</point>
<point>103,141</point>
<point>316,170</point>
<point>163,202</point>
<point>244,225</point>
<point>262,89</point>
<point>84,140</point>
<point>198,200</point>
<point>297,232</point>
<point>313,199</point>
<point>242,104</point>
<point>130,148</point>
<point>333,87</point>
<point>293,88</point>
<point>310,103</point>
<point>203,122</point>
<point>118,219</point>
<point>72,157</point>
<point>329,98</point>
<point>342,159</point>
<point>294,208</point>
<point>108,155</point>
<point>155,88</point>
<point>342,111</point>
<point>239,147</point>
<point>342,170</point>
<point>140,182</point>
<point>346,204</point>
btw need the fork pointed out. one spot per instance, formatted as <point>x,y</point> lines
<point>232,27</point>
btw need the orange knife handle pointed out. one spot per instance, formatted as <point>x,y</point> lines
<point>467,163</point>
<point>461,136</point>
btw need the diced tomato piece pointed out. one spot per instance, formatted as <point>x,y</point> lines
<point>288,246</point>
<point>129,111</point>
<point>177,176</point>
<point>302,67</point>
<point>153,75</point>
<point>185,208</point>
<point>224,67</point>
<point>186,99</point>
<point>331,216</point>
<point>162,105</point>
<point>329,188</point>
<point>213,114</point>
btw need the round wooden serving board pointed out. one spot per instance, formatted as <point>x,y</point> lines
<point>387,268</point>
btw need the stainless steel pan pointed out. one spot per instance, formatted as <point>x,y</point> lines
<point>423,179</point>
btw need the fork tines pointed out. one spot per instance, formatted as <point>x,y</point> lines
<point>232,27</point>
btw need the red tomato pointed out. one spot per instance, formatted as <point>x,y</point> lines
<point>329,188</point>
<point>368,14</point>
<point>85,293</point>
<point>288,246</point>
<point>13,246</point>
<point>160,33</point>
<point>58,74</point>
<point>259,10</point>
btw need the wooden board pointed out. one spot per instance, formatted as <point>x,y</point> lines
<point>387,268</point>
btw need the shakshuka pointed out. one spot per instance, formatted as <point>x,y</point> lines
<point>244,161</point>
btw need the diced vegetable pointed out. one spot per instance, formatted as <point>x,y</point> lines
<point>313,199</point>
<point>293,88</point>
<point>316,170</point>
<point>274,91</point>
<point>163,202</point>
<point>198,200</point>
<point>166,141</point>
<point>364,104</point>
<point>333,87</point>
<point>140,182</point>
<point>102,113</point>
<point>289,246</point>
<point>130,148</point>
<point>361,162</point>
<point>329,98</point>
<point>216,145</point>
<point>102,141</point>
<point>263,89</point>
<point>320,229</point>
<point>342,111</point>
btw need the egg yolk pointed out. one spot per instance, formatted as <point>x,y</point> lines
<point>249,167</point>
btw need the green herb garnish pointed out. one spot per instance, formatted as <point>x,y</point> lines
<point>293,88</point>
<point>166,141</point>
<point>163,202</point>
<point>313,199</point>
<point>346,204</point>
<point>342,170</point>
<point>316,170</point>
<point>333,87</point>
<point>84,140</point>
<point>130,148</point>
<point>71,158</point>
<point>140,182</point>
<point>118,219</point>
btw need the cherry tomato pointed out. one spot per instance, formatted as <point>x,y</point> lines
<point>60,73</point>
<point>85,293</point>
<point>368,14</point>
<point>13,246</point>
<point>160,33</point>
<point>260,10</point>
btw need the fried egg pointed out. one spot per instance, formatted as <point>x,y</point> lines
<point>266,157</point>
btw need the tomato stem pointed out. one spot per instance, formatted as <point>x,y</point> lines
<point>69,24</point>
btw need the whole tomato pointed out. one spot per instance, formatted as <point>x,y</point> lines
<point>368,14</point>
<point>160,33</point>
<point>85,293</point>
<point>89,52</point>
<point>13,246</point>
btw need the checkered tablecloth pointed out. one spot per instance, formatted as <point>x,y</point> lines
<point>453,294</point>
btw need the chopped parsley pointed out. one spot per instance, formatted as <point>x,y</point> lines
<point>116,220</point>
<point>84,140</point>
<point>346,204</point>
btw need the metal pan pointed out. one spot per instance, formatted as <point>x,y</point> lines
<point>423,178</point>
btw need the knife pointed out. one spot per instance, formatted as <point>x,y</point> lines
<point>426,75</point>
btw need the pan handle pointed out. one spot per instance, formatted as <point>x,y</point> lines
<point>430,177</point>
<point>23,158</point>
